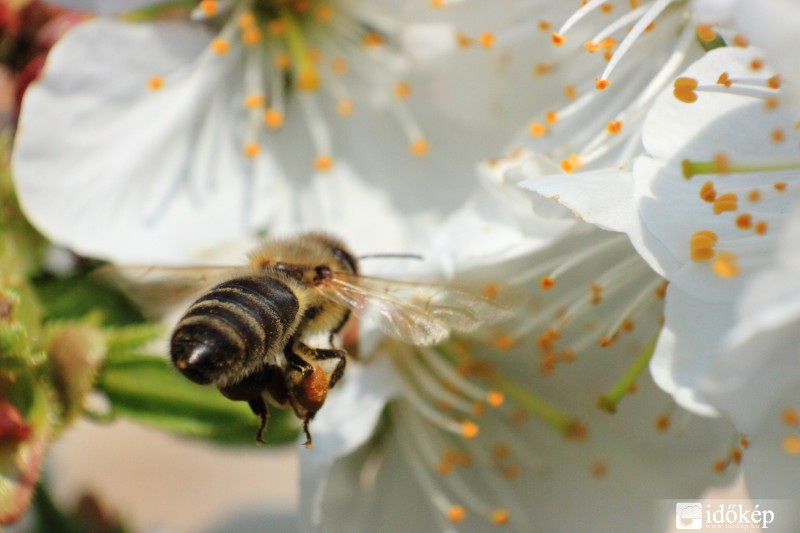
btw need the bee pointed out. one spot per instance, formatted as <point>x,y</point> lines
<point>266,332</point>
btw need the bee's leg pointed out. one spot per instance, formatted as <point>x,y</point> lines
<point>321,354</point>
<point>335,331</point>
<point>295,361</point>
<point>306,421</point>
<point>259,407</point>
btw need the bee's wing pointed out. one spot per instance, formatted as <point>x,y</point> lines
<point>159,289</point>
<point>419,313</point>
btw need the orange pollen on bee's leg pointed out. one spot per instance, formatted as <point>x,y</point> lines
<point>725,265</point>
<point>315,388</point>
<point>701,245</point>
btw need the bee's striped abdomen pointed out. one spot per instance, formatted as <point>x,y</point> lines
<point>228,331</point>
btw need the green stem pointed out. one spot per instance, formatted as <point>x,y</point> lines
<point>306,75</point>
<point>565,424</point>
<point>695,168</point>
<point>610,400</point>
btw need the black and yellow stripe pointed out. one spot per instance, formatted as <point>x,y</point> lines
<point>233,328</point>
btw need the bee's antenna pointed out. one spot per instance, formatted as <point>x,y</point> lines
<point>392,256</point>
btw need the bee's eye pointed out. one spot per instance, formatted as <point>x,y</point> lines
<point>346,259</point>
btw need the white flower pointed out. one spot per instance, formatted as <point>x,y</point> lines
<point>503,426</point>
<point>610,61</point>
<point>154,141</point>
<point>704,208</point>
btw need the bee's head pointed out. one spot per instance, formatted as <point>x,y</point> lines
<point>306,250</point>
<point>343,257</point>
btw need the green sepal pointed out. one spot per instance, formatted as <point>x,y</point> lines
<point>148,390</point>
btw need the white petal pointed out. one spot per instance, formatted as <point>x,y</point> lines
<point>112,170</point>
<point>760,352</point>
<point>772,25</point>
<point>686,347</point>
<point>600,197</point>
<point>674,126</point>
<point>347,420</point>
<point>770,469</point>
<point>713,11</point>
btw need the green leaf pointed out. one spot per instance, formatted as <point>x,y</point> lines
<point>150,391</point>
<point>74,297</point>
